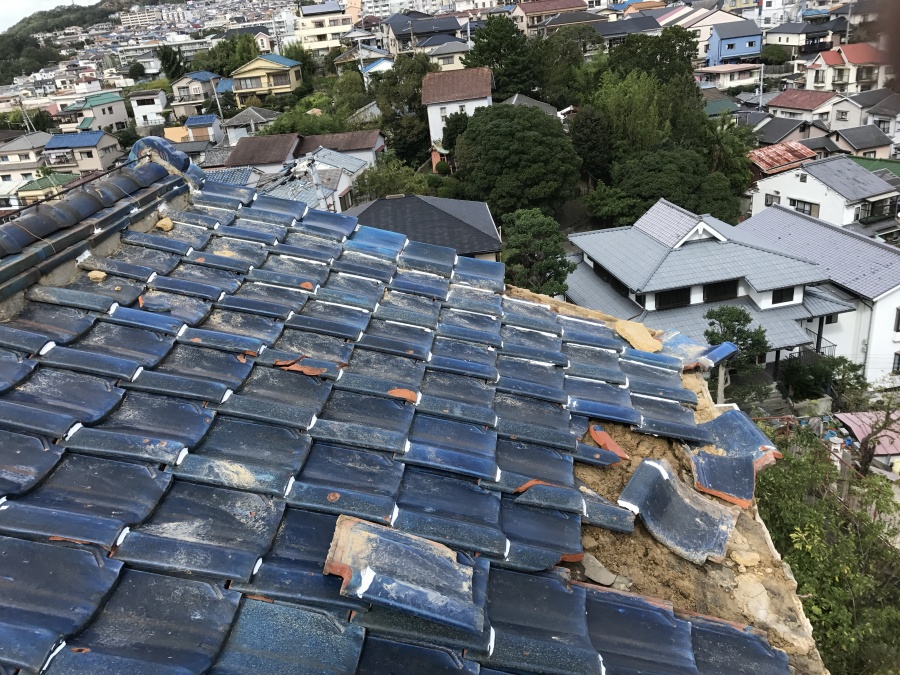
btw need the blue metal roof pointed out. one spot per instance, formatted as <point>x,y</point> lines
<point>374,64</point>
<point>280,60</point>
<point>224,85</point>
<point>200,120</point>
<point>202,75</point>
<point>84,139</point>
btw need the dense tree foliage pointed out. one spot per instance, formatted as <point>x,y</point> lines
<point>454,127</point>
<point>840,551</point>
<point>774,55</point>
<point>23,54</point>
<point>171,62</point>
<point>390,176</point>
<point>728,323</point>
<point>309,64</point>
<point>61,17</point>
<point>503,48</point>
<point>533,252</point>
<point>227,56</point>
<point>516,157</point>
<point>136,71</point>
<point>644,135</point>
<point>404,118</point>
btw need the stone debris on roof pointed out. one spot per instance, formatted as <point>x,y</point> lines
<point>275,387</point>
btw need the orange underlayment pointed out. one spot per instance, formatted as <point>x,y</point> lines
<point>752,586</point>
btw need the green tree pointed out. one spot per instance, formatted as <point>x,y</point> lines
<point>127,136</point>
<point>328,60</point>
<point>847,570</point>
<point>227,56</point>
<point>557,61</point>
<point>665,56</point>
<point>404,119</point>
<point>728,323</point>
<point>454,127</point>
<point>171,62</point>
<point>774,55</point>
<point>298,121</point>
<point>309,64</point>
<point>516,157</point>
<point>349,94</point>
<point>503,48</point>
<point>633,114</point>
<point>136,71</point>
<point>592,142</point>
<point>728,152</point>
<point>390,176</point>
<point>533,252</point>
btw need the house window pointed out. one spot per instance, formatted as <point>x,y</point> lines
<point>790,115</point>
<point>842,115</point>
<point>782,295</point>
<point>896,367</point>
<point>802,177</point>
<point>771,200</point>
<point>24,158</point>
<point>641,299</point>
<point>831,318</point>
<point>677,297</point>
<point>281,80</point>
<point>462,109</point>
<point>870,153</point>
<point>723,290</point>
<point>804,207</point>
<point>443,114</point>
<point>6,177</point>
<point>248,83</point>
<point>4,158</point>
<point>446,60</point>
<point>729,46</point>
<point>27,176</point>
<point>752,43</point>
<point>86,154</point>
<point>896,318</point>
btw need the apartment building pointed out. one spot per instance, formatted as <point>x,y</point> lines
<point>86,151</point>
<point>97,112</point>
<point>319,27</point>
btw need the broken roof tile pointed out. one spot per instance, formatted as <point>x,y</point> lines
<point>720,646</point>
<point>738,436</point>
<point>690,525</point>
<point>406,573</point>
<point>381,655</point>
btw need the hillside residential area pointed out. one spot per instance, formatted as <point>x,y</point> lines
<point>455,337</point>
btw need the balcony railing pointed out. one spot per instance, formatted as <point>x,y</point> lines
<point>826,348</point>
<point>61,160</point>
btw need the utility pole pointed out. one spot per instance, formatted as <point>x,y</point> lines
<point>849,20</point>
<point>762,72</point>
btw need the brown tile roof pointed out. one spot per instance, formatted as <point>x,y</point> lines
<point>343,142</point>
<point>862,53</point>
<point>801,99</point>
<point>779,157</point>
<point>456,85</point>
<point>274,149</point>
<point>548,6</point>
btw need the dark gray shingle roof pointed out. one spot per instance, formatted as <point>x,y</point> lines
<point>736,29</point>
<point>847,178</point>
<point>865,137</point>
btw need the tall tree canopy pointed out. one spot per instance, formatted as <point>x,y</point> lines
<point>665,56</point>
<point>404,119</point>
<point>171,62</point>
<point>503,48</point>
<point>533,252</point>
<point>516,157</point>
<point>227,56</point>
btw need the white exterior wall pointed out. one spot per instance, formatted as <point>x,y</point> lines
<point>855,115</point>
<point>882,340</point>
<point>833,208</point>
<point>436,124</point>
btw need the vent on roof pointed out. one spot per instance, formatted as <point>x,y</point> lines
<point>394,196</point>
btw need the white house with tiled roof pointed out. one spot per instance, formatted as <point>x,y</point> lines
<point>454,91</point>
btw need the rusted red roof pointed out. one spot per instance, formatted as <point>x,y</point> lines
<point>456,85</point>
<point>801,99</point>
<point>772,159</point>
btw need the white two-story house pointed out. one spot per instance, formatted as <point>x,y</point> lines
<point>21,157</point>
<point>454,91</point>
<point>835,189</point>
<point>148,107</point>
<point>849,69</point>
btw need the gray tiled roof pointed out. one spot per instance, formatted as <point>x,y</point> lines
<point>873,97</point>
<point>588,290</point>
<point>781,323</point>
<point>865,137</point>
<point>639,258</point>
<point>853,261</point>
<point>775,130</point>
<point>847,178</point>
<point>339,160</point>
<point>821,143</point>
<point>734,29</point>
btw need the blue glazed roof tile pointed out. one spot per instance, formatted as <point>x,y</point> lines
<point>200,402</point>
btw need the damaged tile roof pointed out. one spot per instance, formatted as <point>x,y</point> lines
<point>237,433</point>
